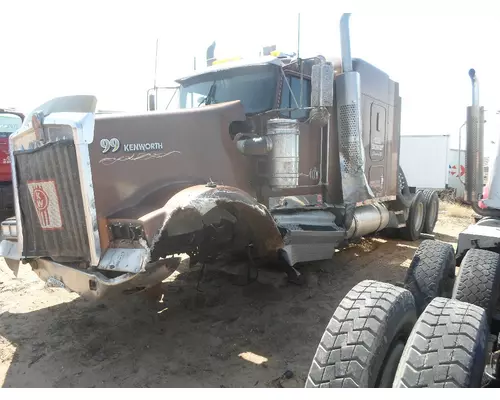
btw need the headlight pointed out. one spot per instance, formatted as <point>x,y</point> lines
<point>9,229</point>
<point>5,231</point>
<point>13,230</point>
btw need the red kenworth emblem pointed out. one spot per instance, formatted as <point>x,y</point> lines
<point>42,204</point>
<point>46,201</point>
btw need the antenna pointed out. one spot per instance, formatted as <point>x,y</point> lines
<point>298,59</point>
<point>156,62</point>
<point>298,35</point>
<point>156,70</point>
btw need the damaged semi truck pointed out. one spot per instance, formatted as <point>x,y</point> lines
<point>441,329</point>
<point>279,157</point>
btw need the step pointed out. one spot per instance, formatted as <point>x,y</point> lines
<point>311,245</point>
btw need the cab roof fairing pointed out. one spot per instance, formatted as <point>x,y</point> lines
<point>265,60</point>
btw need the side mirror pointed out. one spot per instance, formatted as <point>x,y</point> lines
<point>9,123</point>
<point>161,97</point>
<point>322,85</point>
<point>151,102</point>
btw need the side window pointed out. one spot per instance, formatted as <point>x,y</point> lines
<point>287,100</point>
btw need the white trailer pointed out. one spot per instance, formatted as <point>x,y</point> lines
<point>424,160</point>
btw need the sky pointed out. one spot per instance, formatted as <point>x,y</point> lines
<point>107,49</point>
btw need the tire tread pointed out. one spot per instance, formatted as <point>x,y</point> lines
<point>431,272</point>
<point>447,347</point>
<point>349,344</point>
<point>478,280</point>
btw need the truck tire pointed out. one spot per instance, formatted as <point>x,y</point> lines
<point>415,221</point>
<point>431,200</point>
<point>365,338</point>
<point>403,196</point>
<point>478,280</point>
<point>431,273</point>
<point>447,347</point>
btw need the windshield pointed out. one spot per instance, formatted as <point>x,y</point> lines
<point>9,123</point>
<point>254,86</point>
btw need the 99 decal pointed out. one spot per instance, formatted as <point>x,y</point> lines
<point>112,145</point>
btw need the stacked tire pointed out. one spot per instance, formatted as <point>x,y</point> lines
<point>374,339</point>
<point>432,332</point>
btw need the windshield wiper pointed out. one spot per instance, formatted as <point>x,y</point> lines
<point>210,99</point>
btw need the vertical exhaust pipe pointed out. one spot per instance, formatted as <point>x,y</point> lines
<point>474,155</point>
<point>355,188</point>
<point>345,43</point>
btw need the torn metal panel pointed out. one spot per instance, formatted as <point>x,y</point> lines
<point>197,207</point>
<point>124,260</point>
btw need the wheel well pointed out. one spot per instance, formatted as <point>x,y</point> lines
<point>216,222</point>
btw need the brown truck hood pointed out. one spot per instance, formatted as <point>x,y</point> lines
<point>139,161</point>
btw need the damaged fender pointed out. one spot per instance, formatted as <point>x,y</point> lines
<point>190,212</point>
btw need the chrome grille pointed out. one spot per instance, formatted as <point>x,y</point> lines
<point>54,162</point>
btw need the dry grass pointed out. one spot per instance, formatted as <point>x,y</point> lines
<point>456,210</point>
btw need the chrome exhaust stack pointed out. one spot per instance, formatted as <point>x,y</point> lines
<point>345,43</point>
<point>474,153</point>
<point>348,95</point>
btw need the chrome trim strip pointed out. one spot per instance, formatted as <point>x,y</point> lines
<point>83,137</point>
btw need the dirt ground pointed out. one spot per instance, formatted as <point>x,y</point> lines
<point>261,335</point>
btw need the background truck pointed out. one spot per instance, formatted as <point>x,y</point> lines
<point>441,329</point>
<point>457,172</point>
<point>10,121</point>
<point>261,159</point>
